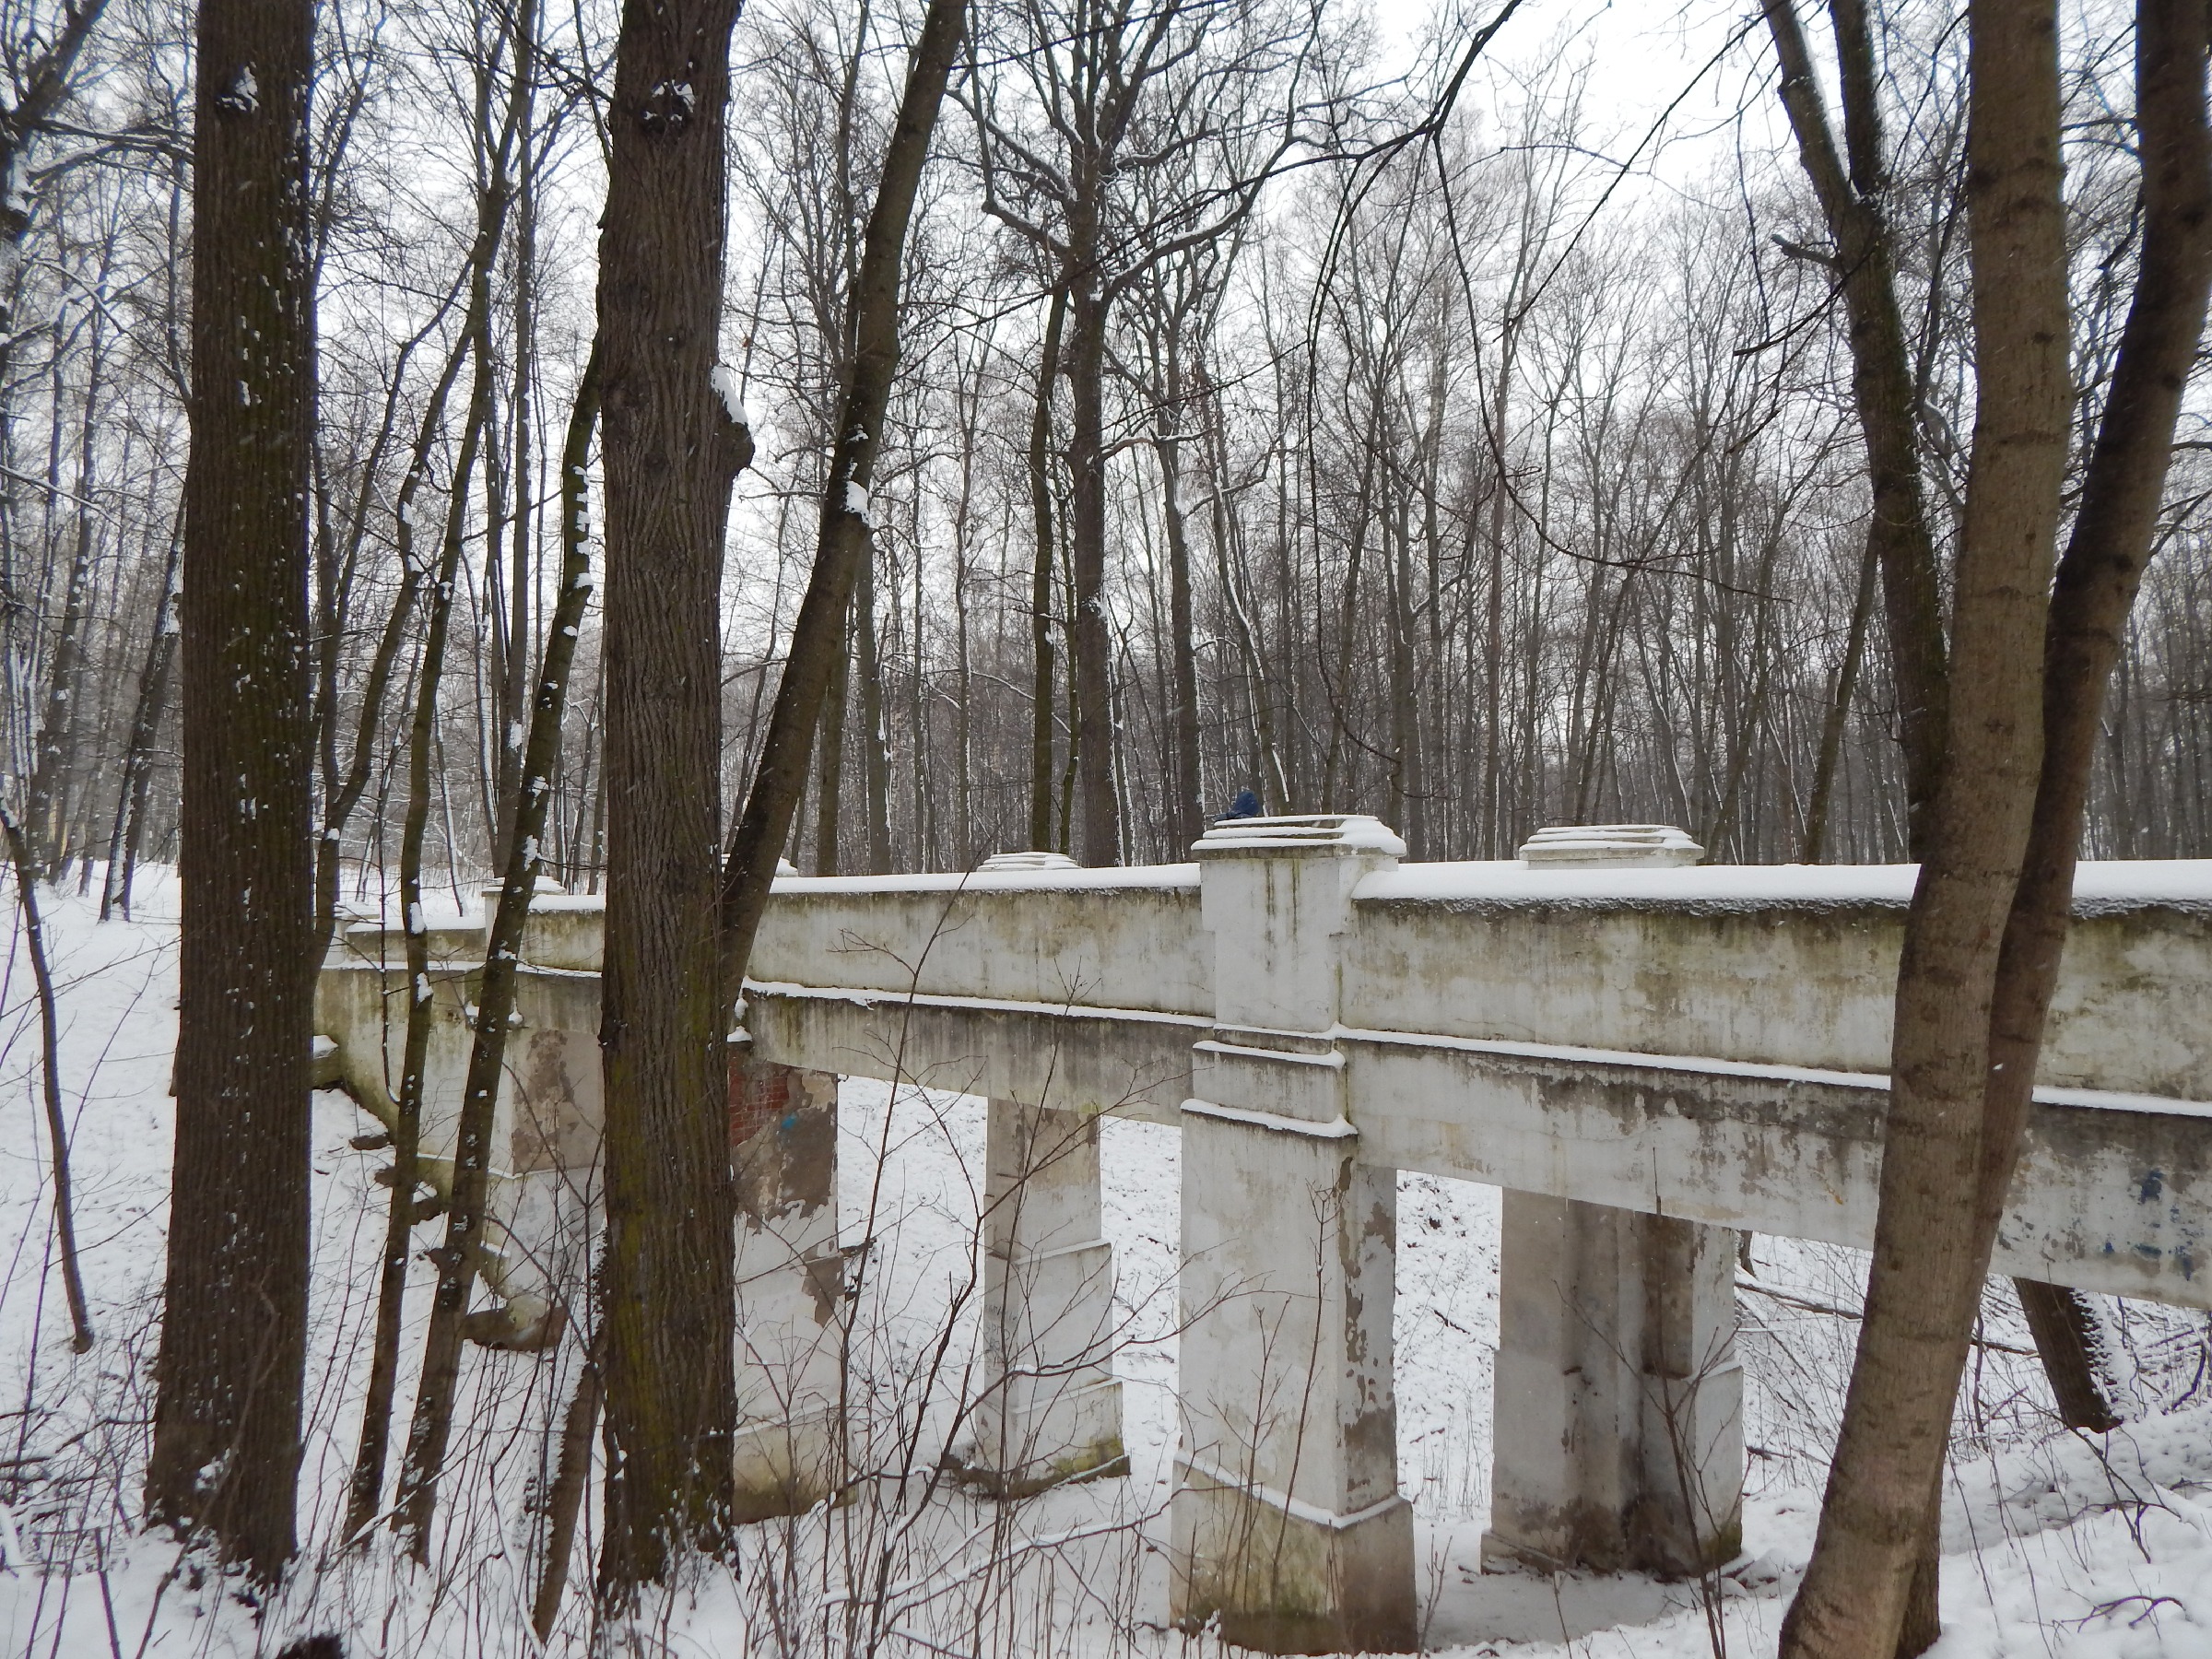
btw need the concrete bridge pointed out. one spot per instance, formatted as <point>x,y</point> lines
<point>1649,1057</point>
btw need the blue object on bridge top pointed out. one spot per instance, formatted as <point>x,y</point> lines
<point>1246,805</point>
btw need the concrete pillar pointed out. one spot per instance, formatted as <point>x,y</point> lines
<point>790,1285</point>
<point>1051,1410</point>
<point>1288,1523</point>
<point>1619,1419</point>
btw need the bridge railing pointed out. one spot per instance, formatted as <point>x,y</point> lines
<point>1648,1059</point>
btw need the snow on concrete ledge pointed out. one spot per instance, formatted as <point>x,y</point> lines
<point>2101,887</point>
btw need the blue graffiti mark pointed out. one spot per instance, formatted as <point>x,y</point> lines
<point>2152,1184</point>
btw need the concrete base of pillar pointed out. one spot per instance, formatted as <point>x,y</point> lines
<point>784,1468</point>
<point>1075,1435</point>
<point>1283,1577</point>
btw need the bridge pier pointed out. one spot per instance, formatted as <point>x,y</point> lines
<point>791,1281</point>
<point>1051,1409</point>
<point>1618,1425</point>
<point>1288,1523</point>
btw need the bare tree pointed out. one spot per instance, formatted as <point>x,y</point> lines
<point>843,541</point>
<point>1924,1287</point>
<point>234,1330</point>
<point>673,446</point>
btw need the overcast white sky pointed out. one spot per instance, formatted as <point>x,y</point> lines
<point>1638,58</point>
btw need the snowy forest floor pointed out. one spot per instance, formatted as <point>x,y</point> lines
<point>2056,1544</point>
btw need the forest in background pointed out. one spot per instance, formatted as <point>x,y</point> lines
<point>1457,467</point>
<point>1183,403</point>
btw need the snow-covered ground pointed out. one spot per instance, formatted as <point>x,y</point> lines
<point>2056,1544</point>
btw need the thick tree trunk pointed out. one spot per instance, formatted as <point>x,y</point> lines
<point>228,1378</point>
<point>817,636</point>
<point>2107,552</point>
<point>672,449</point>
<point>1927,1273</point>
<point>1901,544</point>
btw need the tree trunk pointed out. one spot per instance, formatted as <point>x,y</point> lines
<point>2106,555</point>
<point>1926,1274</point>
<point>1882,386</point>
<point>18,848</point>
<point>365,1492</point>
<point>830,775</point>
<point>1899,538</point>
<point>229,1379</point>
<point>44,80</point>
<point>44,809</point>
<point>565,1500</point>
<point>1838,718</point>
<point>1046,551</point>
<point>1092,642</point>
<point>1186,814</point>
<point>672,450</point>
<point>342,794</point>
<point>521,861</point>
<point>875,753</point>
<point>138,756</point>
<point>514,684</point>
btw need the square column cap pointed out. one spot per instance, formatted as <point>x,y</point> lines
<point>1028,861</point>
<point>1609,846</point>
<point>1305,835</point>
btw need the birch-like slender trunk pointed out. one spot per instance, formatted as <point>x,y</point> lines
<point>815,639</point>
<point>523,860</point>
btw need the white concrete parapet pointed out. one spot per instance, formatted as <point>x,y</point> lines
<point>1647,1055</point>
